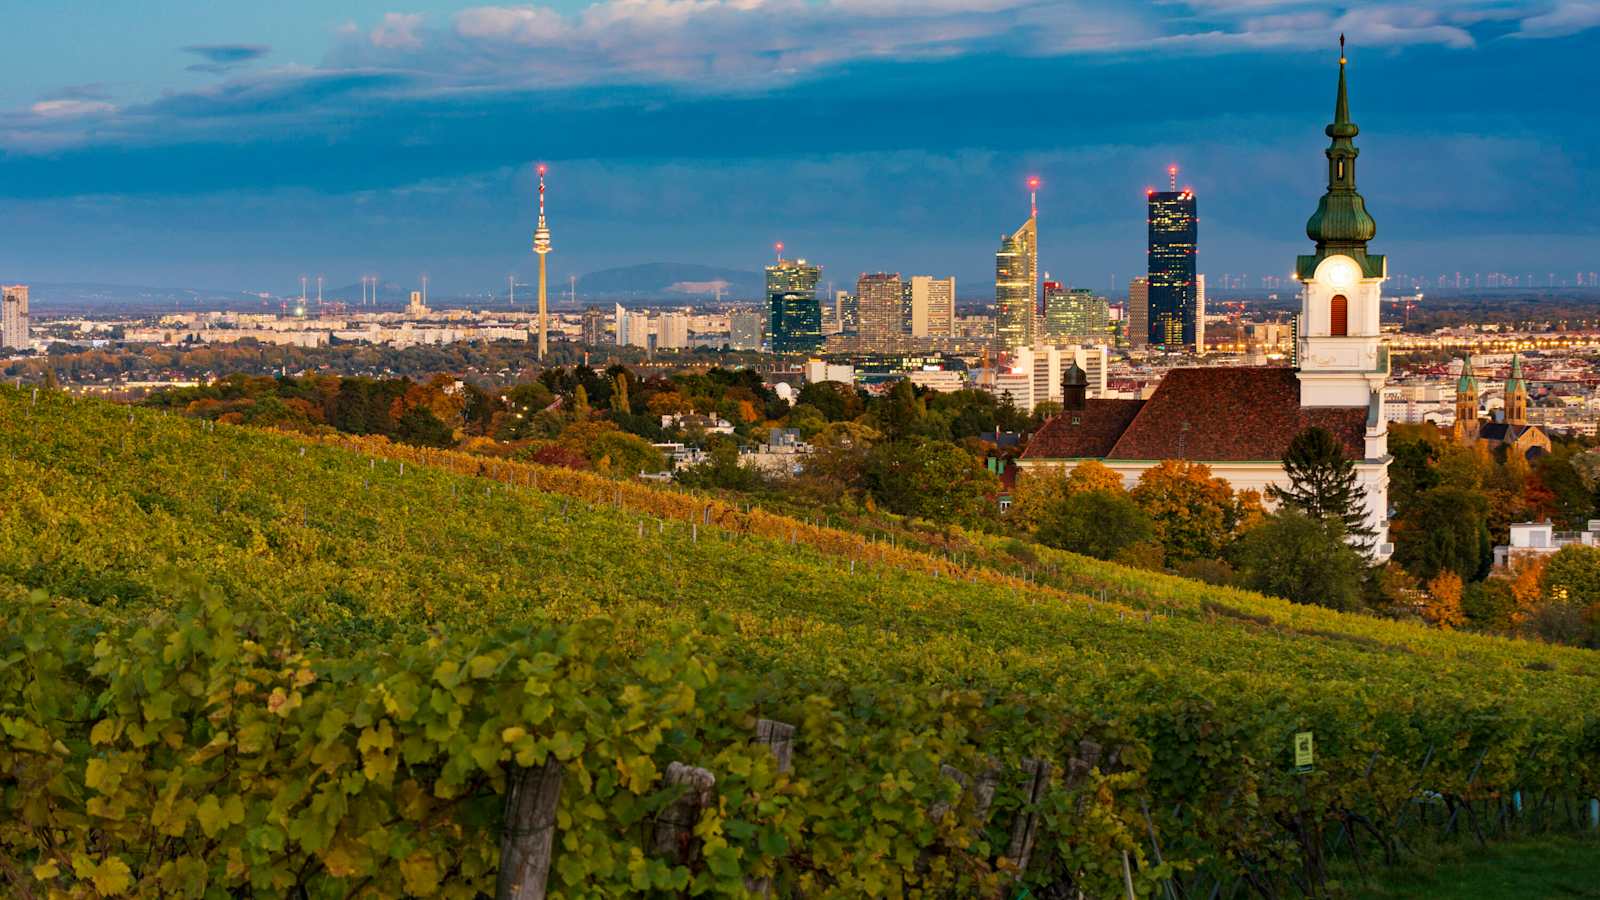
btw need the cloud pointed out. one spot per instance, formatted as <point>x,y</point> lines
<point>71,108</point>
<point>222,58</point>
<point>1565,18</point>
<point>398,31</point>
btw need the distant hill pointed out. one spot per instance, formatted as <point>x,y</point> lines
<point>665,281</point>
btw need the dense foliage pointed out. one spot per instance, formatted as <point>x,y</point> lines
<point>366,634</point>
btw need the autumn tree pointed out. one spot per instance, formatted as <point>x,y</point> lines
<point>1443,604</point>
<point>1195,513</point>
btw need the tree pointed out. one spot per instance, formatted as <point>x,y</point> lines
<point>1490,604</point>
<point>1036,492</point>
<point>1303,559</point>
<point>1572,575</point>
<point>1322,483</point>
<point>623,455</point>
<point>619,394</point>
<point>1195,513</point>
<point>933,479</point>
<point>418,425</point>
<point>1443,605</point>
<point>1095,523</point>
<point>1445,528</point>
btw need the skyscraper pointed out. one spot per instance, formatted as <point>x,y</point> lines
<point>541,246</point>
<point>794,317</point>
<point>1138,332</point>
<point>14,317</point>
<point>1016,279</point>
<point>879,301</point>
<point>1173,322</point>
<point>933,306</point>
<point>848,313</point>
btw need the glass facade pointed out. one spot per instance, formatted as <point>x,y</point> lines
<point>794,315</point>
<point>1016,280</point>
<point>1172,293</point>
<point>880,301</point>
<point>1075,315</point>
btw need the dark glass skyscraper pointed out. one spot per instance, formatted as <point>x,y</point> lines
<point>1173,300</point>
<point>794,316</point>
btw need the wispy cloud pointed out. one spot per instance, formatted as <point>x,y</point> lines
<point>222,58</point>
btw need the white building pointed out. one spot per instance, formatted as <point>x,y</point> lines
<point>1535,539</point>
<point>14,333</point>
<point>817,370</point>
<point>1239,421</point>
<point>944,381</point>
<point>933,306</point>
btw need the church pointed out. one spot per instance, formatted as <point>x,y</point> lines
<point>1512,431</point>
<point>1239,420</point>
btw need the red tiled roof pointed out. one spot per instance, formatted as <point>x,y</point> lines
<point>1209,414</point>
<point>1089,433</point>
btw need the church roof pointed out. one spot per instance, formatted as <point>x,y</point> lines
<point>1219,414</point>
<point>1504,432</point>
<point>1089,433</point>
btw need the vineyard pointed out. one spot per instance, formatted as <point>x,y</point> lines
<point>237,662</point>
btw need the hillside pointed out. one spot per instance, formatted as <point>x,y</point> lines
<point>374,565</point>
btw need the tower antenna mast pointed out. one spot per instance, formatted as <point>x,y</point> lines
<point>1033,196</point>
<point>1172,175</point>
<point>541,246</point>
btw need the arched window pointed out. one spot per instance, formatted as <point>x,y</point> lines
<point>1339,316</point>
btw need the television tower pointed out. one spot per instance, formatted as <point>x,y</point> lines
<point>541,246</point>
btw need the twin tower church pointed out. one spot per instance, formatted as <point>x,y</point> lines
<point>1239,420</point>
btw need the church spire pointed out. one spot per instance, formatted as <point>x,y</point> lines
<point>1341,223</point>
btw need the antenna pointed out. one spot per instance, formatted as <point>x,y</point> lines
<point>1033,196</point>
<point>1172,173</point>
<point>779,247</point>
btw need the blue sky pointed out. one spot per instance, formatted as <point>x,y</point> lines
<point>238,146</point>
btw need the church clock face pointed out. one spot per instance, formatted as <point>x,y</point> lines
<point>1340,272</point>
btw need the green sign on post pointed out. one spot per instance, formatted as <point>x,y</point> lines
<point>1303,752</point>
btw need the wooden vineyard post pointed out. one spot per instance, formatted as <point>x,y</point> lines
<point>674,832</point>
<point>779,738</point>
<point>528,830</point>
<point>1036,780</point>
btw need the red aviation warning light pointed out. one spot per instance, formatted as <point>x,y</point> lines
<point>1033,195</point>
<point>779,247</point>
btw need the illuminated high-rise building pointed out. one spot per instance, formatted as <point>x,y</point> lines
<point>847,312</point>
<point>878,299</point>
<point>744,329</point>
<point>594,326</point>
<point>14,317</point>
<point>541,246</point>
<point>933,306</point>
<point>1138,327</point>
<point>794,316</point>
<point>1016,279</point>
<point>1173,312</point>
<point>1075,315</point>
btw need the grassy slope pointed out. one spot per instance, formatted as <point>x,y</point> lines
<point>1545,868</point>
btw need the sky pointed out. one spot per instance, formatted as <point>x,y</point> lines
<point>189,143</point>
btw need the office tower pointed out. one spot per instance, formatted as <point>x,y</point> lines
<point>906,300</point>
<point>416,308</point>
<point>794,317</point>
<point>933,306</point>
<point>14,317</point>
<point>1138,328</point>
<point>1200,313</point>
<point>1075,315</point>
<point>1016,280</point>
<point>848,311</point>
<point>879,302</point>
<point>594,326</point>
<point>541,246</point>
<point>744,329</point>
<point>1172,266</point>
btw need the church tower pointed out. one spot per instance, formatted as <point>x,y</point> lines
<point>1466,427</point>
<point>1341,361</point>
<point>1516,394</point>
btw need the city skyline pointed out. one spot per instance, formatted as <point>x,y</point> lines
<point>240,153</point>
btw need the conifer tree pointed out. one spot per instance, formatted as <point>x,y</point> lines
<point>1322,483</point>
